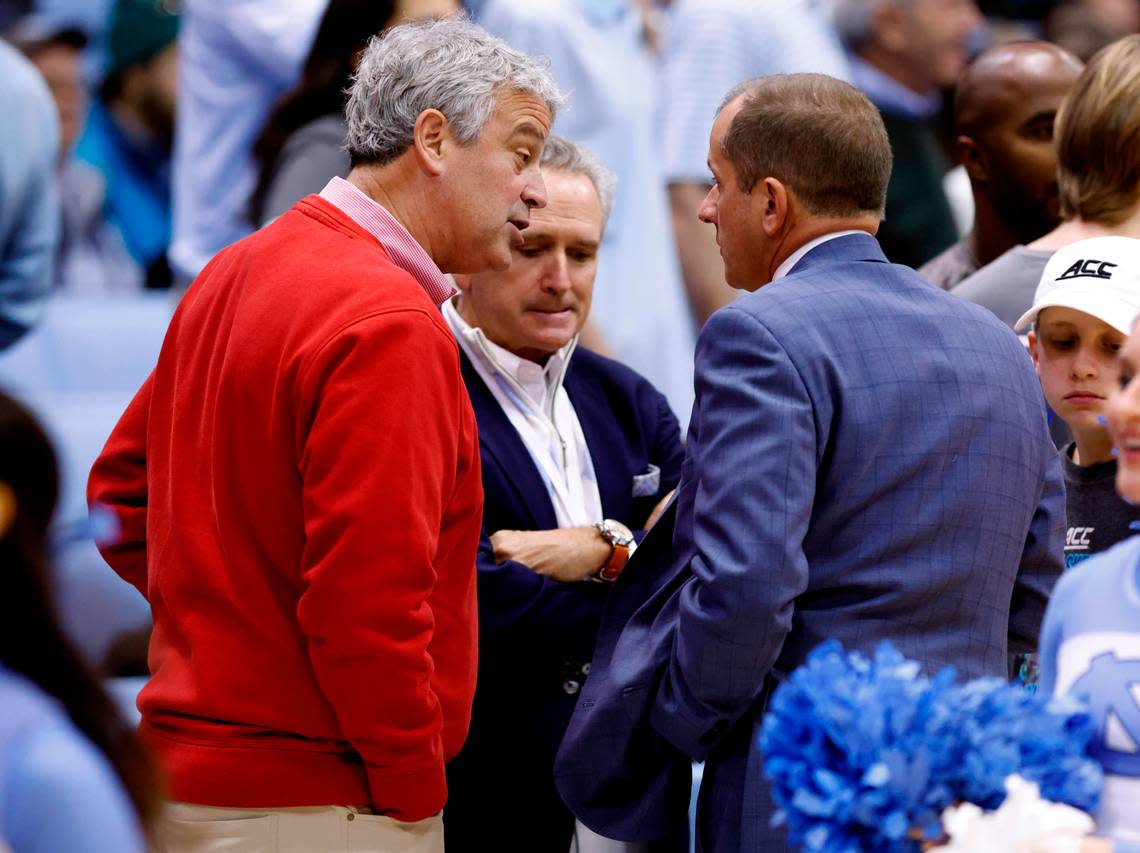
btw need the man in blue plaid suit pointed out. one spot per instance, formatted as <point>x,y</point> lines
<point>868,460</point>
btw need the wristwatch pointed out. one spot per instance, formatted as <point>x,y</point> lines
<point>621,541</point>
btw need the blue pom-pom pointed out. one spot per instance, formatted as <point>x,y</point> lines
<point>864,754</point>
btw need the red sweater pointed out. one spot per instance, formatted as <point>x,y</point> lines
<point>299,492</point>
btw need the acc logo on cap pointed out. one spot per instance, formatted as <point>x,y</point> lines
<point>1088,269</point>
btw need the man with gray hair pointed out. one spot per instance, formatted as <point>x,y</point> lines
<point>577,452</point>
<point>297,483</point>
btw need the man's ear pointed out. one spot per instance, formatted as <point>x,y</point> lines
<point>431,136</point>
<point>7,509</point>
<point>773,202</point>
<point>973,157</point>
<point>1031,339</point>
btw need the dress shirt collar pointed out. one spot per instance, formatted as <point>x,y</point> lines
<point>795,257</point>
<point>401,246</point>
<point>540,382</point>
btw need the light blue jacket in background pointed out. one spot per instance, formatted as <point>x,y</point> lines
<point>57,791</point>
<point>29,200</point>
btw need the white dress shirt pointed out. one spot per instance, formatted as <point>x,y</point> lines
<point>540,410</point>
<point>236,57</point>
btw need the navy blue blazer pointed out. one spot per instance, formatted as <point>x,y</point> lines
<point>868,460</point>
<point>537,635</point>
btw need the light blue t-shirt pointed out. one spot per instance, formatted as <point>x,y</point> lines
<point>711,46</point>
<point>57,791</point>
<point>1090,649</point>
<point>29,195</point>
<point>236,57</point>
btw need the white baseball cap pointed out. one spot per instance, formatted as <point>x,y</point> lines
<point>1099,276</point>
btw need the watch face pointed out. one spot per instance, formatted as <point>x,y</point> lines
<point>621,534</point>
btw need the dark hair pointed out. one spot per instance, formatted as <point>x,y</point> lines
<point>819,136</point>
<point>1097,134</point>
<point>31,640</point>
<point>344,31</point>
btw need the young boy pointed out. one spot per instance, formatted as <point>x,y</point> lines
<point>1088,296</point>
<point>1090,640</point>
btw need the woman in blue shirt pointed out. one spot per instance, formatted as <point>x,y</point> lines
<point>72,775</point>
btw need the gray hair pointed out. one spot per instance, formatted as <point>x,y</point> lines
<point>562,155</point>
<point>449,65</point>
<point>855,20</point>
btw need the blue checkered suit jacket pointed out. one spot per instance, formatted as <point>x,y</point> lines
<point>868,460</point>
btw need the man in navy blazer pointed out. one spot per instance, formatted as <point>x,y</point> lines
<point>577,452</point>
<point>868,460</point>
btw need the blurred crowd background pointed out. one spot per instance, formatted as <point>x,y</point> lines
<point>139,137</point>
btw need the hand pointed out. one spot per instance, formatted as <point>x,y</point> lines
<point>660,508</point>
<point>568,554</point>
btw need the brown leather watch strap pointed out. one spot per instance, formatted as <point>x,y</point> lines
<point>618,558</point>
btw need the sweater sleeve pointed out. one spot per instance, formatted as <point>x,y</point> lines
<point>382,416</point>
<point>118,483</point>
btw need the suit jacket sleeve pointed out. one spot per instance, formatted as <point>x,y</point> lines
<point>1042,561</point>
<point>118,482</point>
<point>512,595</point>
<point>754,452</point>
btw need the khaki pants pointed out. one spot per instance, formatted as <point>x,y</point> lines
<point>188,828</point>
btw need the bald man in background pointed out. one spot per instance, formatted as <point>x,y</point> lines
<point>1004,108</point>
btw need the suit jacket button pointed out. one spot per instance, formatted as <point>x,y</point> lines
<point>571,686</point>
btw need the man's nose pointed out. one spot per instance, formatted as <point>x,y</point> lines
<point>556,278</point>
<point>534,193</point>
<point>707,211</point>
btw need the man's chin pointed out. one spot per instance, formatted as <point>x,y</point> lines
<point>500,261</point>
<point>497,261</point>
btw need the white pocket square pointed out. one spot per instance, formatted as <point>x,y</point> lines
<point>648,483</point>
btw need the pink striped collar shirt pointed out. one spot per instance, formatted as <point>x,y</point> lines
<point>402,248</point>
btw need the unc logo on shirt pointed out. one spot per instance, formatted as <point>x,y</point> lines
<point>1108,686</point>
<point>1090,268</point>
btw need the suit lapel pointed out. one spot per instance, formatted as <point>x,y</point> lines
<point>500,440</point>
<point>605,440</point>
